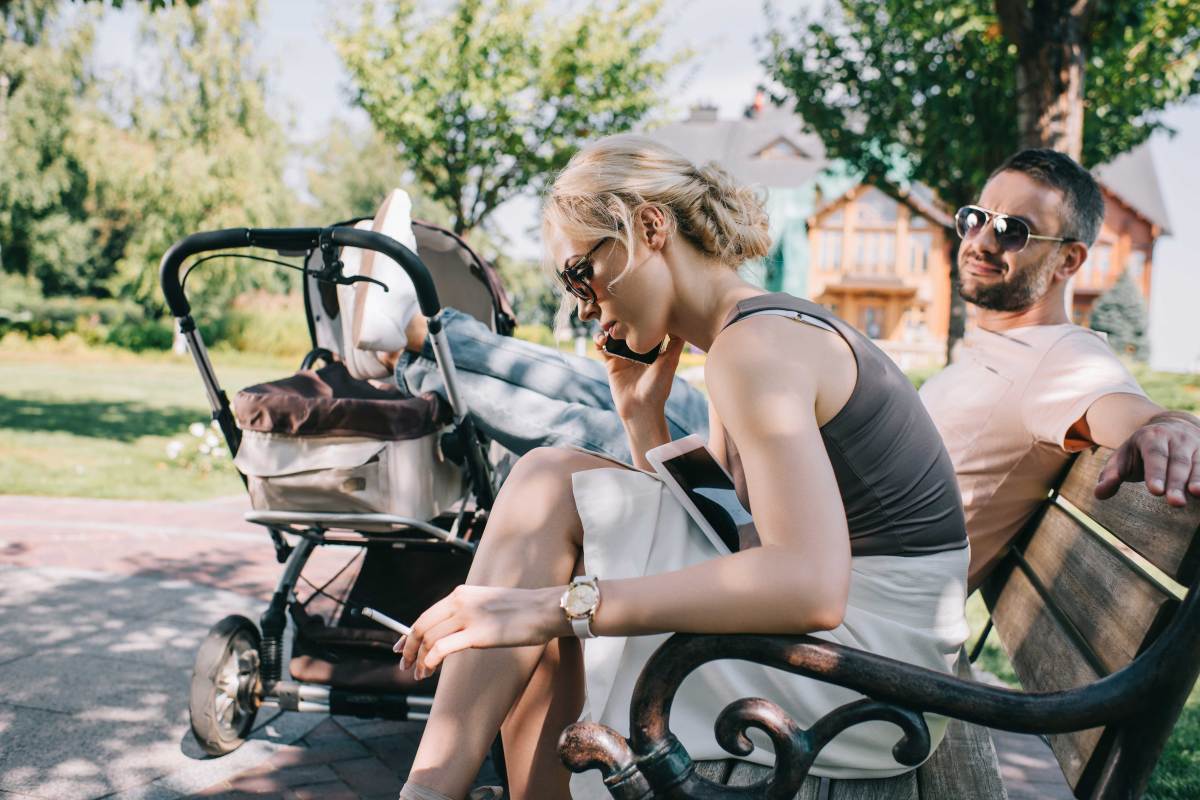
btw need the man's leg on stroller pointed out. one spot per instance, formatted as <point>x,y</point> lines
<point>533,539</point>
<point>524,395</point>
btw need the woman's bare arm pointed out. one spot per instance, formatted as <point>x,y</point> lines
<point>766,391</point>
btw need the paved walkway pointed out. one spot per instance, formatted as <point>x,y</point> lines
<point>102,606</point>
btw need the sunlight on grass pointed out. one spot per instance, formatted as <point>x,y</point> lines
<point>96,422</point>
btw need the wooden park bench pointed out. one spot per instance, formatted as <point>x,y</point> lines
<point>1097,606</point>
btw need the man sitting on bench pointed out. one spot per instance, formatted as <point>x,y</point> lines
<point>1026,387</point>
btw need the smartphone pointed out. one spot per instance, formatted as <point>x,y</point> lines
<point>706,492</point>
<point>618,348</point>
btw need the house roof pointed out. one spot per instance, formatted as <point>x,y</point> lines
<point>769,150</point>
<point>1131,177</point>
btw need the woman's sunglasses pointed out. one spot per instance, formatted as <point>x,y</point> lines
<point>576,276</point>
<point>1012,233</point>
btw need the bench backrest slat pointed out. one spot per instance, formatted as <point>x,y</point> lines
<point>1045,657</point>
<point>1165,536</point>
<point>1072,604</point>
<point>1109,602</point>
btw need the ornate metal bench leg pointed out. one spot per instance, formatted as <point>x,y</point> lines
<point>667,770</point>
<point>589,745</point>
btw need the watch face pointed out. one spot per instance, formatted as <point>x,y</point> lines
<point>580,600</point>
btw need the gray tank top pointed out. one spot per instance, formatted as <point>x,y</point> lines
<point>896,479</point>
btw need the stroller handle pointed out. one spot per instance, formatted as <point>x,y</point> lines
<point>292,239</point>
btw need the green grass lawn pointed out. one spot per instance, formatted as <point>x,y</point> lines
<point>96,422</point>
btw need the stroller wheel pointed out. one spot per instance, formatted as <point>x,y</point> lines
<point>226,685</point>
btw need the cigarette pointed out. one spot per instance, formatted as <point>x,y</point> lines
<point>386,621</point>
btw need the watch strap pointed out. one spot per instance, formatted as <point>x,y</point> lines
<point>582,626</point>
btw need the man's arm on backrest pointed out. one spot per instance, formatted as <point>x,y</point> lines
<point>1158,446</point>
<point>1081,394</point>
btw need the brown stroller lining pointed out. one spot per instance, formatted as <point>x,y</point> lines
<point>329,402</point>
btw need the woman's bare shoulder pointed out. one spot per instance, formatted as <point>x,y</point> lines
<point>801,360</point>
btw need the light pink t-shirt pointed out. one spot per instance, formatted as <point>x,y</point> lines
<point>1005,408</point>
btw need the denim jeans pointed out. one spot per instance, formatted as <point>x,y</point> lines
<point>524,395</point>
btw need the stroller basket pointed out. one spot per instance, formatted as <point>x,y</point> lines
<point>322,441</point>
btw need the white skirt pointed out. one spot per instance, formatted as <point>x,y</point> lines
<point>910,608</point>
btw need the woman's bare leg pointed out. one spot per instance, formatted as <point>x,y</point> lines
<point>552,700</point>
<point>533,539</point>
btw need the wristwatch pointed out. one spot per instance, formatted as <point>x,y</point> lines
<point>579,602</point>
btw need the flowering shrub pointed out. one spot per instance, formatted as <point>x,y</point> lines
<point>201,450</point>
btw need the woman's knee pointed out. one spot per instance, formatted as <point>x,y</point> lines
<point>552,465</point>
<point>539,487</point>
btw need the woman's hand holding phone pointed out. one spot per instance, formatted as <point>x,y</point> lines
<point>640,390</point>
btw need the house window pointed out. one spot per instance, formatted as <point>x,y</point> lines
<point>1136,265</point>
<point>830,249</point>
<point>1098,264</point>
<point>875,209</point>
<point>872,321</point>
<point>920,245</point>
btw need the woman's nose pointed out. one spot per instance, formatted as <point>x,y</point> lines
<point>587,309</point>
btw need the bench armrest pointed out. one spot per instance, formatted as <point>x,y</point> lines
<point>653,763</point>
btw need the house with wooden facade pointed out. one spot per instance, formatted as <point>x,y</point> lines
<point>879,256</point>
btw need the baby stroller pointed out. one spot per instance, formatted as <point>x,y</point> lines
<point>331,460</point>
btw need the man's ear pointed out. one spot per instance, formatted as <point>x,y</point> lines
<point>654,226</point>
<point>1074,254</point>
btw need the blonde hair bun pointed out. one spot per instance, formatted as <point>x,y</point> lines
<point>606,183</point>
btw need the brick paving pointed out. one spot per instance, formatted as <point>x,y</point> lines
<point>342,757</point>
<point>209,544</point>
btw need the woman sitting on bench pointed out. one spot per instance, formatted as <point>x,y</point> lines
<point>858,517</point>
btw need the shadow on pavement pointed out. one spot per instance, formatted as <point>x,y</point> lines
<point>94,674</point>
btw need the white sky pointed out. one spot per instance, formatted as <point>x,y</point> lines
<point>309,87</point>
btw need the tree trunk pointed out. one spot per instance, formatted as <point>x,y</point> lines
<point>1052,47</point>
<point>958,306</point>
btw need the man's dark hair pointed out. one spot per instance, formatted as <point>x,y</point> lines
<point>1085,204</point>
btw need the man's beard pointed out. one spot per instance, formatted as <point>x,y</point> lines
<point>1015,294</point>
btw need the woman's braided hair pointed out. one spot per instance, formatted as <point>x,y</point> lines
<point>604,186</point>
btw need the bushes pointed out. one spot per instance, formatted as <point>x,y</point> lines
<point>280,331</point>
<point>139,335</point>
<point>258,323</point>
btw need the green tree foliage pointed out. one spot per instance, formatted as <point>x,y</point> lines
<point>44,227</point>
<point>93,191</point>
<point>928,90</point>
<point>354,171</point>
<point>200,151</point>
<point>491,98</point>
<point>1121,313</point>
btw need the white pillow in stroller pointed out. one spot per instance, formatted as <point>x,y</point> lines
<point>362,364</point>
<point>380,318</point>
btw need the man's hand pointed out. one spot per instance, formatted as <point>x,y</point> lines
<point>1165,453</point>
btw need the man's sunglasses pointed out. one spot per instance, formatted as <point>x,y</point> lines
<point>1012,233</point>
<point>576,276</point>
